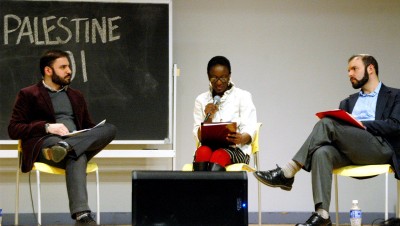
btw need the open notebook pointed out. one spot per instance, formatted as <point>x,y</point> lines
<point>83,130</point>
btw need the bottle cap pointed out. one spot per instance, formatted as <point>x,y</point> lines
<point>355,201</point>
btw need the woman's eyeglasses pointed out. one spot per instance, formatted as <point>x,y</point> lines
<point>215,79</point>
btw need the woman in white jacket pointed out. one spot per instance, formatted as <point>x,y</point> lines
<point>235,105</point>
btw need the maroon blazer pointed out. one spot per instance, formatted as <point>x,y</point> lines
<point>32,110</point>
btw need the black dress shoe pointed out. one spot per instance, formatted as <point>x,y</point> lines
<point>86,219</point>
<point>275,178</point>
<point>215,167</point>
<point>316,220</point>
<point>200,166</point>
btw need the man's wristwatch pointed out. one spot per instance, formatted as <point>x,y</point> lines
<point>46,127</point>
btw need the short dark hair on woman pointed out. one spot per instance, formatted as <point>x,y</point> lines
<point>49,57</point>
<point>218,60</point>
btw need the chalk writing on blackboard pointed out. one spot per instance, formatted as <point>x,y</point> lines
<point>66,29</point>
<point>119,52</point>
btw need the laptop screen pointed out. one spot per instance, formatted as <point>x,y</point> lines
<point>189,198</point>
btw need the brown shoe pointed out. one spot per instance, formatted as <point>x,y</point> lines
<point>57,152</point>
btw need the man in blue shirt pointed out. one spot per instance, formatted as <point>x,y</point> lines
<point>334,143</point>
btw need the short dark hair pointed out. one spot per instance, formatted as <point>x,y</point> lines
<point>49,57</point>
<point>367,60</point>
<point>218,60</point>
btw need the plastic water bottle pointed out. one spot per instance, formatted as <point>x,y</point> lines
<point>355,214</point>
<point>1,216</point>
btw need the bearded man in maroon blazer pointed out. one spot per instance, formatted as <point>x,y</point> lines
<point>42,117</point>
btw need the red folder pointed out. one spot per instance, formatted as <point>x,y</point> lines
<point>214,134</point>
<point>342,115</point>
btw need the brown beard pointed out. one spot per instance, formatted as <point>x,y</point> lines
<point>362,82</point>
<point>58,80</point>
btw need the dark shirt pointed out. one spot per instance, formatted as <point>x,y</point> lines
<point>63,109</point>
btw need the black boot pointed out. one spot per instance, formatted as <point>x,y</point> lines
<point>200,166</point>
<point>215,167</point>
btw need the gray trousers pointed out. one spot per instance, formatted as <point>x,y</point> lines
<point>85,146</point>
<point>333,144</point>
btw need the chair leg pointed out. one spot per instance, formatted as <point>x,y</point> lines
<point>39,214</point>
<point>256,165</point>
<point>398,199</point>
<point>17,198</point>
<point>259,203</point>
<point>336,200</point>
<point>386,197</point>
<point>98,197</point>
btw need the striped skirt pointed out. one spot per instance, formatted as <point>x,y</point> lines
<point>237,155</point>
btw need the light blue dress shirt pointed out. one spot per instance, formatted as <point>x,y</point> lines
<point>365,107</point>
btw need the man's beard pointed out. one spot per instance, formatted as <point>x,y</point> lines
<point>360,83</point>
<point>58,80</point>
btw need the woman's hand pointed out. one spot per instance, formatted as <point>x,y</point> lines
<point>239,138</point>
<point>210,109</point>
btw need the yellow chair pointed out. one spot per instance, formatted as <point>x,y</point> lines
<point>42,167</point>
<point>243,166</point>
<point>366,171</point>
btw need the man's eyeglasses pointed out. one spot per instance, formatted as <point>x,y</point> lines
<point>215,79</point>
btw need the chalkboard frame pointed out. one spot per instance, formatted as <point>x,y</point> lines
<point>170,138</point>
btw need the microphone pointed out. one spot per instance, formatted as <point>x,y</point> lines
<point>216,101</point>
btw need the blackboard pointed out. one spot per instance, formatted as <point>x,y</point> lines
<point>121,52</point>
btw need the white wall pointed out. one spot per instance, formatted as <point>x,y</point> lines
<point>292,56</point>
